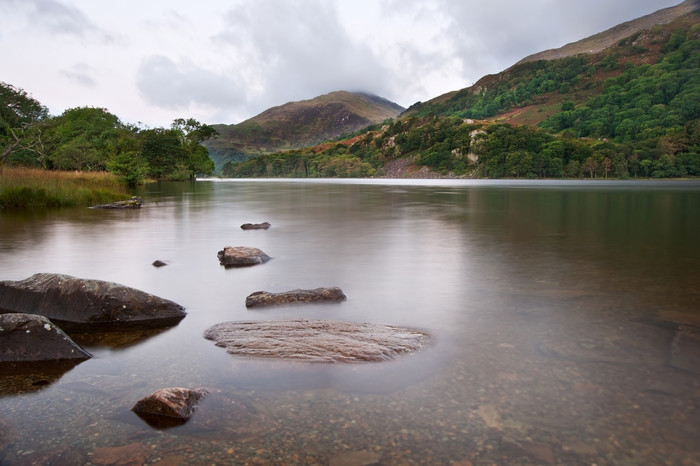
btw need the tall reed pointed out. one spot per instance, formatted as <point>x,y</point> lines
<point>32,188</point>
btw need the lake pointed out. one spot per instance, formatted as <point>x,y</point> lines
<point>556,310</point>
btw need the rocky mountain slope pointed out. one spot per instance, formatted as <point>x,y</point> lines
<point>299,124</point>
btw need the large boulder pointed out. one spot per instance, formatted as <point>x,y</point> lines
<point>316,340</point>
<point>241,256</point>
<point>264,298</point>
<point>168,407</point>
<point>80,304</point>
<point>29,338</point>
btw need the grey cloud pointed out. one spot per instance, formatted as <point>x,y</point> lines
<point>81,74</point>
<point>56,17</point>
<point>170,85</point>
<point>300,50</point>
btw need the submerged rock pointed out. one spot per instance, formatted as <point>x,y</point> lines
<point>316,340</point>
<point>159,263</point>
<point>256,226</point>
<point>29,338</point>
<point>241,256</point>
<point>134,202</point>
<point>168,407</point>
<point>77,303</point>
<point>685,349</point>
<point>264,298</point>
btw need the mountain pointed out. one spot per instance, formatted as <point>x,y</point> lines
<point>629,109</point>
<point>299,124</point>
<point>612,36</point>
<point>635,41</point>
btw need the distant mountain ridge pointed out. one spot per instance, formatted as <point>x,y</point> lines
<point>601,41</point>
<point>299,124</point>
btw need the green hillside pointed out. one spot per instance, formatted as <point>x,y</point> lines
<point>628,110</point>
<point>299,124</point>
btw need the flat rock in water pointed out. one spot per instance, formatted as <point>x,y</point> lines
<point>29,338</point>
<point>316,340</point>
<point>134,202</point>
<point>255,226</point>
<point>264,298</point>
<point>168,407</point>
<point>76,303</point>
<point>685,349</point>
<point>241,256</point>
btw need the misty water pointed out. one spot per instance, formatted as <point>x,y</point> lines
<point>555,309</point>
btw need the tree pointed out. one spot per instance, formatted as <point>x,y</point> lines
<point>590,165</point>
<point>192,133</point>
<point>19,115</point>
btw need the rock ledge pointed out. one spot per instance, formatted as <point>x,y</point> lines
<point>317,340</point>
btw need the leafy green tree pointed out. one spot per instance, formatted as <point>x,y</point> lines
<point>20,116</point>
<point>192,133</point>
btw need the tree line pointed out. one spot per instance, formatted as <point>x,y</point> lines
<point>93,139</point>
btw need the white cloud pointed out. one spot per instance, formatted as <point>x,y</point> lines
<point>223,61</point>
<point>177,86</point>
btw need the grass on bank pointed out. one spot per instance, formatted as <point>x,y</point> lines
<point>32,188</point>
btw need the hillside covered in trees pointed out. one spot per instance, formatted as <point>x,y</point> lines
<point>630,110</point>
<point>92,139</point>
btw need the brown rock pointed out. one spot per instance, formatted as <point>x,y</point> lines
<point>685,349</point>
<point>264,298</point>
<point>159,263</point>
<point>168,407</point>
<point>256,226</point>
<point>29,338</point>
<point>65,455</point>
<point>316,340</point>
<point>77,304</point>
<point>241,256</point>
<point>355,458</point>
<point>135,453</point>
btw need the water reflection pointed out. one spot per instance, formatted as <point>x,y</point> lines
<point>555,308</point>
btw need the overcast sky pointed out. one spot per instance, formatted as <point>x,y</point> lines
<point>218,61</point>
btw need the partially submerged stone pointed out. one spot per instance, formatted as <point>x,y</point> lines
<point>134,202</point>
<point>317,340</point>
<point>168,407</point>
<point>256,226</point>
<point>77,303</point>
<point>685,349</point>
<point>30,338</point>
<point>241,256</point>
<point>264,298</point>
<point>159,263</point>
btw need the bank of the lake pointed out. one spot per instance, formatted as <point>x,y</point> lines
<point>22,188</point>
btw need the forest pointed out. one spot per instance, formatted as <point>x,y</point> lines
<point>94,140</point>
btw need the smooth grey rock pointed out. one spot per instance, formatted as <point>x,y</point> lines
<point>256,226</point>
<point>264,298</point>
<point>34,338</point>
<point>241,256</point>
<point>316,340</point>
<point>76,303</point>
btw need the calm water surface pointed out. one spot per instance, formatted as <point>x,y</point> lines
<point>555,308</point>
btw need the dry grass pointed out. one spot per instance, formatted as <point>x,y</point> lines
<point>32,188</point>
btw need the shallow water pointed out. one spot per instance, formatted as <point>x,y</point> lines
<point>553,306</point>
